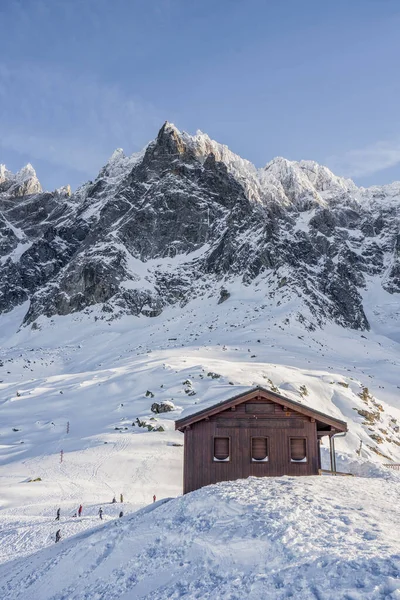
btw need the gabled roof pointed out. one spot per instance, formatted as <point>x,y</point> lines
<point>320,417</point>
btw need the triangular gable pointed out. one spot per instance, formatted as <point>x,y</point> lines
<point>267,395</point>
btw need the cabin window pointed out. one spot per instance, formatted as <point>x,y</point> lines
<point>298,450</point>
<point>221,449</point>
<point>259,449</point>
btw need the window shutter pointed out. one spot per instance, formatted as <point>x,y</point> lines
<point>298,448</point>
<point>221,448</point>
<point>259,448</point>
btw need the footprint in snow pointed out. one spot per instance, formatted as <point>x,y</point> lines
<point>370,535</point>
<point>345,519</point>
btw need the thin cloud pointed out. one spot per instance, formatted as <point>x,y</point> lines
<point>366,161</point>
<point>69,121</point>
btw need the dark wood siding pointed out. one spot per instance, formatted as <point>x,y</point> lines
<point>258,418</point>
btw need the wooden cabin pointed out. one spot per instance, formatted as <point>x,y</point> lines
<point>258,433</point>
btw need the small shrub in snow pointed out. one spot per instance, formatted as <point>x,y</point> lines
<point>271,385</point>
<point>378,452</point>
<point>376,437</point>
<point>343,384</point>
<point>365,395</point>
<point>303,390</point>
<point>370,417</point>
<point>148,426</point>
<point>189,389</point>
<point>213,375</point>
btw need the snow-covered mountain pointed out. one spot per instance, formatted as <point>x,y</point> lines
<point>285,277</point>
<point>185,217</point>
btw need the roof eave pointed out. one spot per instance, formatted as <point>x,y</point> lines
<point>180,424</point>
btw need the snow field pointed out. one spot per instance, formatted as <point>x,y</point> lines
<point>132,465</point>
<point>311,537</point>
<point>95,375</point>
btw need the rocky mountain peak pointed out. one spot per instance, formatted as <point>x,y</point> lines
<point>22,183</point>
<point>304,184</point>
<point>169,140</point>
<point>4,173</point>
<point>27,172</point>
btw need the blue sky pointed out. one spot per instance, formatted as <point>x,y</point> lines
<point>304,79</point>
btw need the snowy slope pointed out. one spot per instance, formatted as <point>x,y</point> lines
<point>94,374</point>
<point>280,538</point>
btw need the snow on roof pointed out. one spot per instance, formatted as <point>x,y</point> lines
<point>225,396</point>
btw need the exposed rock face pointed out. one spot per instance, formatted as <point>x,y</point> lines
<point>162,407</point>
<point>186,215</point>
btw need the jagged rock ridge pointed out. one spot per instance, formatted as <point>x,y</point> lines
<point>186,216</point>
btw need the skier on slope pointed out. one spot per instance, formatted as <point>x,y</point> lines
<point>101,513</point>
<point>114,500</point>
<point>80,510</point>
<point>58,535</point>
<point>154,498</point>
<point>58,514</point>
<point>121,498</point>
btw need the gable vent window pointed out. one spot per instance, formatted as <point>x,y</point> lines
<point>259,449</point>
<point>221,449</point>
<point>298,450</point>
